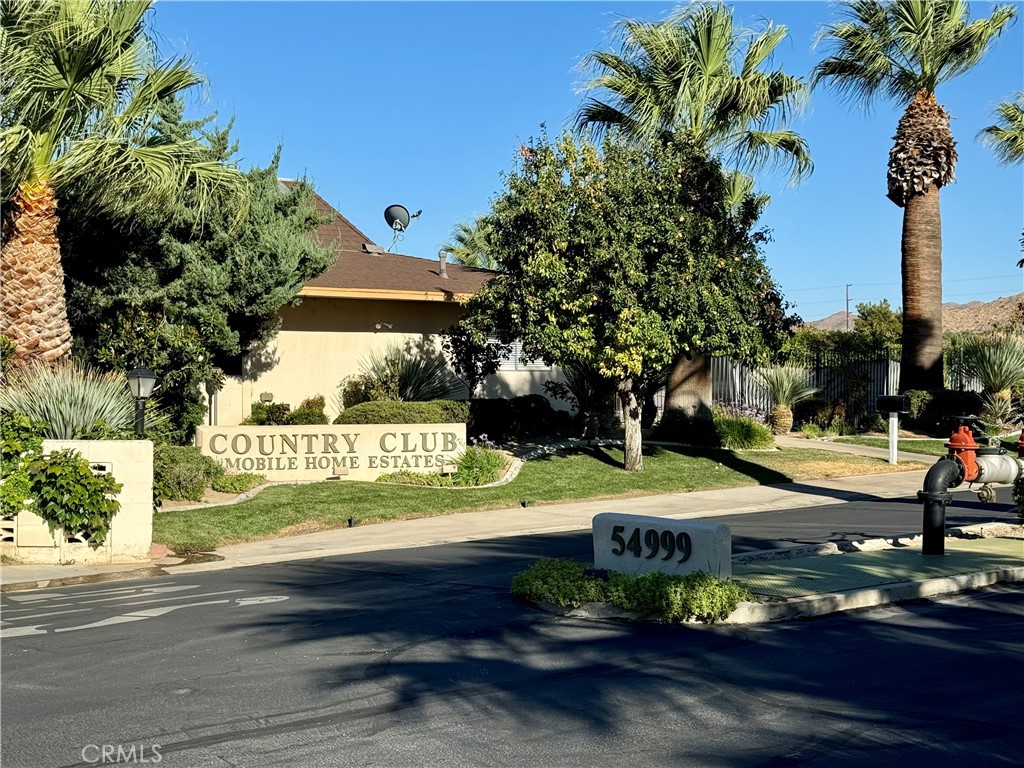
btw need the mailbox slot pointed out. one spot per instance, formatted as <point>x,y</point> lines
<point>894,404</point>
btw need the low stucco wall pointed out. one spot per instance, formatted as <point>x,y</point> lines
<point>334,451</point>
<point>28,538</point>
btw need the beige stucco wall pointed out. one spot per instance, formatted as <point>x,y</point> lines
<point>323,340</point>
<point>131,530</point>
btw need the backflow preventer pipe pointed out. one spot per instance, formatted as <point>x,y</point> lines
<point>966,462</point>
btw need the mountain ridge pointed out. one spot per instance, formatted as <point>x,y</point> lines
<point>971,316</point>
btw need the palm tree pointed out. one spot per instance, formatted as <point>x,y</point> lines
<point>470,244</point>
<point>81,87</point>
<point>698,76</point>
<point>1006,138</point>
<point>903,50</point>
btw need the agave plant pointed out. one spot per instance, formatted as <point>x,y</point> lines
<point>393,374</point>
<point>996,361</point>
<point>73,399</point>
<point>787,385</point>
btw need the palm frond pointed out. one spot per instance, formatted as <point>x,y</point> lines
<point>697,75</point>
<point>1006,137</point>
<point>897,49</point>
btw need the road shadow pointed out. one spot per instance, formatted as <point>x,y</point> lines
<point>437,634</point>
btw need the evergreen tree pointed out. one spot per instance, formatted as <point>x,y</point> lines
<point>191,291</point>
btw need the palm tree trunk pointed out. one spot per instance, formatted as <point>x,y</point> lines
<point>921,362</point>
<point>630,405</point>
<point>689,385</point>
<point>32,310</point>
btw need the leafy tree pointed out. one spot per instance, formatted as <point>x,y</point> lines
<point>879,324</point>
<point>622,259</point>
<point>470,244</point>
<point>192,291</point>
<point>472,360</point>
<point>902,51</point>
<point>697,76</point>
<point>81,87</point>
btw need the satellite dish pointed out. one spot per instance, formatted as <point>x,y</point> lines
<point>397,217</point>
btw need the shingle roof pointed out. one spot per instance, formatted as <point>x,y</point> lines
<point>358,269</point>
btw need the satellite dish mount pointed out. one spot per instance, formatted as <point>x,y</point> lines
<point>398,218</point>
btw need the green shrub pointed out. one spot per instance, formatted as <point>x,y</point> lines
<point>310,411</point>
<point>812,430</point>
<point>353,392</point>
<point>455,411</point>
<point>739,433</point>
<point>941,409</point>
<point>503,419</point>
<point>21,440</point>
<point>478,466</point>
<point>565,583</point>
<point>240,483</point>
<point>393,412</point>
<point>676,426</point>
<point>66,494</point>
<point>266,414</point>
<point>71,398</point>
<point>182,472</point>
<point>919,401</point>
<point>427,480</point>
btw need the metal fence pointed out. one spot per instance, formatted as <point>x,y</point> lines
<point>855,381</point>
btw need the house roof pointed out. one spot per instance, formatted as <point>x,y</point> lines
<point>364,271</point>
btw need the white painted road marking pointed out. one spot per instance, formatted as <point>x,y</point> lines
<point>260,600</point>
<point>129,596</point>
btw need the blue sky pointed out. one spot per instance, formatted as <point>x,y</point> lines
<point>424,104</point>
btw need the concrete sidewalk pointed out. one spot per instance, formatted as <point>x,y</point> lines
<point>490,524</point>
<point>554,518</point>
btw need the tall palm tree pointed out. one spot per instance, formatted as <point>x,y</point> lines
<point>697,75</point>
<point>903,50</point>
<point>80,91</point>
<point>469,244</point>
<point>1006,137</point>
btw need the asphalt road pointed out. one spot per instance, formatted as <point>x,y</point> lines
<point>419,657</point>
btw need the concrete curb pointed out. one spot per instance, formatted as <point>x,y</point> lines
<point>812,606</point>
<point>838,602</point>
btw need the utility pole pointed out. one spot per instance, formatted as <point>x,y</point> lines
<point>848,305</point>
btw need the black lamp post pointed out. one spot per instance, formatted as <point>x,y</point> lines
<point>141,382</point>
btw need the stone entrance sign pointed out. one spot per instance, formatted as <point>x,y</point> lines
<point>323,451</point>
<point>638,544</point>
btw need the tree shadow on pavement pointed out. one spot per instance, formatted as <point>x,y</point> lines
<point>442,641</point>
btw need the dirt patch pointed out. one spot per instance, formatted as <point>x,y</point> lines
<point>831,468</point>
<point>306,526</point>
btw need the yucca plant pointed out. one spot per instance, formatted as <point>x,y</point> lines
<point>998,363</point>
<point>393,374</point>
<point>787,385</point>
<point>73,399</point>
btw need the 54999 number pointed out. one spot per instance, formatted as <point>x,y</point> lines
<point>655,541</point>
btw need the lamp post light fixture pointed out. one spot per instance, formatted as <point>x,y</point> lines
<point>141,382</point>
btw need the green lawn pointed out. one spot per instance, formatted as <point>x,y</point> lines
<point>585,475</point>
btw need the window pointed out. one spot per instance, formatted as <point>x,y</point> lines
<point>512,361</point>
